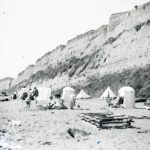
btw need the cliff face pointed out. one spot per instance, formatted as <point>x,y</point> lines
<point>77,47</point>
<point>128,39</point>
<point>122,44</point>
<point>5,83</point>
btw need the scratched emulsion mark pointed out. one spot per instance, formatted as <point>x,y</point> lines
<point>98,142</point>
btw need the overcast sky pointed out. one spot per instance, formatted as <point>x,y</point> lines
<point>30,28</point>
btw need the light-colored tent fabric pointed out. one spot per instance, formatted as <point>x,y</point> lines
<point>129,96</point>
<point>108,93</point>
<point>67,92</point>
<point>82,95</point>
<point>67,95</point>
<point>44,94</point>
<point>122,90</point>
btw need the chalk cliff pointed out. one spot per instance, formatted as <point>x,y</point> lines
<point>5,83</point>
<point>122,44</point>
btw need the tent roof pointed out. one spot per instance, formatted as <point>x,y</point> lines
<point>82,94</point>
<point>121,91</point>
<point>108,93</point>
<point>69,88</point>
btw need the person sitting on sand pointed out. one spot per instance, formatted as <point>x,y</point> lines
<point>59,103</point>
<point>51,103</point>
<point>120,101</point>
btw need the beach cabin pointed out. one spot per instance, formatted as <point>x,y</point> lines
<point>67,95</point>
<point>128,93</point>
<point>44,94</point>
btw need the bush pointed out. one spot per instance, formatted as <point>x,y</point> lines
<point>138,27</point>
<point>72,72</point>
<point>148,22</point>
<point>136,7</point>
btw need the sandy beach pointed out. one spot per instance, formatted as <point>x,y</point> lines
<point>47,130</point>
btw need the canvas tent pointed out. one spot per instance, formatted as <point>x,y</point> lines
<point>44,94</point>
<point>108,93</point>
<point>67,92</point>
<point>129,96</point>
<point>82,95</point>
<point>67,95</point>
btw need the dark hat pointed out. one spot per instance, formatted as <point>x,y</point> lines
<point>57,95</point>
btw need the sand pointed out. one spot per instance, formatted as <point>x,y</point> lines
<point>47,130</point>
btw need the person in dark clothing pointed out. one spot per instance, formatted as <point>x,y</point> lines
<point>15,95</point>
<point>24,96</point>
<point>35,94</point>
<point>121,100</point>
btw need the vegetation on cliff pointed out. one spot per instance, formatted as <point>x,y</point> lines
<point>138,78</point>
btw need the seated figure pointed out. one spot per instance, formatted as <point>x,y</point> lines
<point>120,101</point>
<point>59,103</point>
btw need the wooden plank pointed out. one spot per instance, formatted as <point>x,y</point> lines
<point>116,116</point>
<point>109,119</point>
<point>107,122</point>
<point>111,122</point>
<point>147,104</point>
<point>99,114</point>
<point>140,117</point>
<point>115,126</point>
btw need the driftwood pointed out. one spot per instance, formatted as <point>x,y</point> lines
<point>147,104</point>
<point>140,117</point>
<point>106,120</point>
<point>119,126</point>
<point>73,132</point>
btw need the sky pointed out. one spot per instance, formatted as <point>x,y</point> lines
<point>31,28</point>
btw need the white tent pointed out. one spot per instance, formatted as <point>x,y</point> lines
<point>67,92</point>
<point>82,95</point>
<point>108,93</point>
<point>122,90</point>
<point>129,96</point>
<point>44,94</point>
<point>67,95</point>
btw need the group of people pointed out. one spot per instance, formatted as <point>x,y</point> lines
<point>30,95</point>
<point>55,102</point>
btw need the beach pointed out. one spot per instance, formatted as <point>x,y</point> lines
<point>47,130</point>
